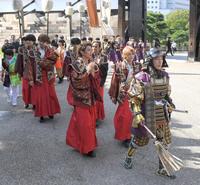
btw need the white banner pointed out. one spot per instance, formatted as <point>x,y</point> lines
<point>105,17</point>
<point>47,5</point>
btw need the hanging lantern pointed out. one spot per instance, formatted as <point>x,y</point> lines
<point>17,5</point>
<point>69,10</point>
<point>81,8</point>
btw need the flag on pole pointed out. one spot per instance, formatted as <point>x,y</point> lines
<point>92,13</point>
<point>105,17</point>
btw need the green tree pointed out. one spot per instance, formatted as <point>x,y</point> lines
<point>156,27</point>
<point>178,24</point>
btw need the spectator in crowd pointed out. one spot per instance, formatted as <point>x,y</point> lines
<point>169,46</point>
<point>174,47</point>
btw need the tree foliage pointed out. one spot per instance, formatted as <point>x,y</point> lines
<point>174,25</point>
<point>156,26</point>
<point>178,24</point>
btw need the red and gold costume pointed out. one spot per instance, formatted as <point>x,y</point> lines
<point>46,101</point>
<point>103,70</point>
<point>69,59</point>
<point>118,92</point>
<point>24,67</point>
<point>81,132</point>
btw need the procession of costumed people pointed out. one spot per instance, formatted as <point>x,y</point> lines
<point>139,87</point>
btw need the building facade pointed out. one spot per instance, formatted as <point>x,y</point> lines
<point>153,5</point>
<point>166,6</point>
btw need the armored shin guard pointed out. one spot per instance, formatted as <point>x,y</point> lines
<point>162,172</point>
<point>128,162</point>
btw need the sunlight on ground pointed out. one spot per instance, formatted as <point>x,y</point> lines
<point>1,146</point>
<point>4,113</point>
<point>192,161</point>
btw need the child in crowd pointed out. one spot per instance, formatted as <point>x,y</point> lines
<point>11,79</point>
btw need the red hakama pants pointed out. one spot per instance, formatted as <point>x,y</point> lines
<point>28,93</point>
<point>46,101</point>
<point>123,121</point>
<point>69,95</point>
<point>81,132</point>
<point>100,113</point>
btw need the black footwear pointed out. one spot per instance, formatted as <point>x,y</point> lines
<point>163,172</point>
<point>42,120</point>
<point>128,163</point>
<point>97,124</point>
<point>33,107</point>
<point>26,106</point>
<point>60,80</point>
<point>126,142</point>
<point>91,154</point>
<point>51,117</point>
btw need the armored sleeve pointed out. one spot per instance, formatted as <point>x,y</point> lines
<point>136,96</point>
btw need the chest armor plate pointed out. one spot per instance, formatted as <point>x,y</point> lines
<point>155,92</point>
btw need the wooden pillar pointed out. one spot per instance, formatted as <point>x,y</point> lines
<point>137,19</point>
<point>192,32</point>
<point>197,51</point>
<point>194,38</point>
<point>121,17</point>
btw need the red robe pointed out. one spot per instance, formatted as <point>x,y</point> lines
<point>123,116</point>
<point>24,67</point>
<point>123,121</point>
<point>66,72</point>
<point>46,101</point>
<point>99,105</point>
<point>101,78</point>
<point>69,97</point>
<point>27,92</point>
<point>81,132</point>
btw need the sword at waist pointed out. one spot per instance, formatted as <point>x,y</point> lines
<point>181,111</point>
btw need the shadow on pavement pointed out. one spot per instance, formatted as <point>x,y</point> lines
<point>177,57</point>
<point>190,74</point>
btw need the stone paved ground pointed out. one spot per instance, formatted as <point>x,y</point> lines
<point>32,153</point>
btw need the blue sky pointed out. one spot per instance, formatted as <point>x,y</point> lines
<point>6,5</point>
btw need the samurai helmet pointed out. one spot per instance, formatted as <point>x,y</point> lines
<point>153,53</point>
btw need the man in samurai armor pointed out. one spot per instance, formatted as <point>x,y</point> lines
<point>151,105</point>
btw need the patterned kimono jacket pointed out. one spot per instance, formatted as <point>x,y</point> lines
<point>45,60</point>
<point>25,63</point>
<point>25,66</point>
<point>84,86</point>
<point>120,81</point>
